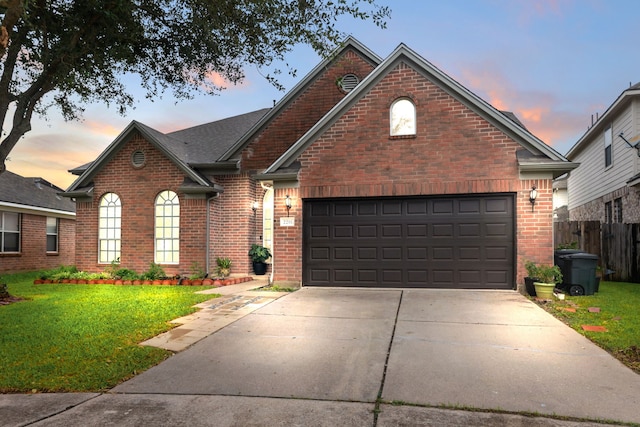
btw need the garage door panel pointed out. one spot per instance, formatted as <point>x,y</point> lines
<point>442,230</point>
<point>469,207</point>
<point>343,254</point>
<point>452,242</point>
<point>343,276</point>
<point>367,231</point>
<point>416,230</point>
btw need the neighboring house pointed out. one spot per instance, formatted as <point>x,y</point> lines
<point>605,186</point>
<point>560,199</point>
<point>37,226</point>
<point>370,172</point>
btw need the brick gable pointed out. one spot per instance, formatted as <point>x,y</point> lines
<point>137,189</point>
<point>454,151</point>
<point>302,113</point>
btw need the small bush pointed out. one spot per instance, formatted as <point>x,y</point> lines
<point>154,272</point>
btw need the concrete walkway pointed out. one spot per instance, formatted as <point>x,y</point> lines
<point>367,357</point>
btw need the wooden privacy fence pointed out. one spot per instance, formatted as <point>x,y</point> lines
<point>615,244</point>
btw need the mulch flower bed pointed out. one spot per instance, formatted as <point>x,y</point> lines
<point>166,282</point>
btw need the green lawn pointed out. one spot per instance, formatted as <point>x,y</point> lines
<point>619,305</point>
<point>67,338</point>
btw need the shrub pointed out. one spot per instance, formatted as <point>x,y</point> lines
<point>259,253</point>
<point>154,272</point>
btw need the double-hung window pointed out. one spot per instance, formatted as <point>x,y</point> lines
<point>52,234</point>
<point>9,232</point>
<point>608,141</point>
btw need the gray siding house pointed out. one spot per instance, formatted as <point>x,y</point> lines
<point>606,185</point>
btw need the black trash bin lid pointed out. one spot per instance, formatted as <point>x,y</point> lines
<point>581,255</point>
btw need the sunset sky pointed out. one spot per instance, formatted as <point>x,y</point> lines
<point>554,63</point>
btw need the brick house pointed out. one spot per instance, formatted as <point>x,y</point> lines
<point>37,226</point>
<point>369,172</point>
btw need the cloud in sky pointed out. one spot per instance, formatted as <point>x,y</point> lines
<point>539,110</point>
<point>551,62</point>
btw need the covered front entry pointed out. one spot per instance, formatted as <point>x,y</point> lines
<point>422,242</point>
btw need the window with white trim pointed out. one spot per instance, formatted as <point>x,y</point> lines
<point>109,229</point>
<point>52,234</point>
<point>403,117</point>
<point>167,229</point>
<point>608,141</point>
<point>9,232</point>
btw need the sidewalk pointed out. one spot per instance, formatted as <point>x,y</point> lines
<point>236,302</point>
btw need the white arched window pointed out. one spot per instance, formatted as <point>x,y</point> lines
<point>402,117</point>
<point>167,229</point>
<point>267,219</point>
<point>109,232</point>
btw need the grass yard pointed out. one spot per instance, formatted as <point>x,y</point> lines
<point>72,338</point>
<point>619,305</point>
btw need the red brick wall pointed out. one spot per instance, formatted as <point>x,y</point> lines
<point>303,113</point>
<point>137,189</point>
<point>535,227</point>
<point>455,151</point>
<point>234,227</point>
<point>33,254</point>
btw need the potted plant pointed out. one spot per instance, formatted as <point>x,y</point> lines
<point>548,276</point>
<point>224,266</point>
<point>259,254</point>
<point>532,277</point>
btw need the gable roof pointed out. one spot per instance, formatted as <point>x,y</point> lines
<point>349,43</point>
<point>542,156</point>
<point>187,149</point>
<point>36,194</point>
<point>623,99</point>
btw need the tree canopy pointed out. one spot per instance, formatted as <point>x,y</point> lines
<point>67,53</point>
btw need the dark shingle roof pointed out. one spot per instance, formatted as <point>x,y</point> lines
<point>35,192</point>
<point>206,143</point>
<point>202,144</point>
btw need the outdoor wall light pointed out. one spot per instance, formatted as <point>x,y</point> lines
<point>254,207</point>
<point>533,195</point>
<point>287,203</point>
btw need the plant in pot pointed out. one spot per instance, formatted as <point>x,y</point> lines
<point>548,276</point>
<point>259,254</point>
<point>224,266</point>
<point>532,277</point>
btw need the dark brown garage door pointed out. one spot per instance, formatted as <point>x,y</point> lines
<point>444,242</point>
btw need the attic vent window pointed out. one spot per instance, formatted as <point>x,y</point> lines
<point>137,159</point>
<point>347,82</point>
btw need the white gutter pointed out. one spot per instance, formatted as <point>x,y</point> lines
<point>15,207</point>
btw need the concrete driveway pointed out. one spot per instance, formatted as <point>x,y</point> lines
<point>342,356</point>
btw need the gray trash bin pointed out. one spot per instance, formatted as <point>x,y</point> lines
<point>579,273</point>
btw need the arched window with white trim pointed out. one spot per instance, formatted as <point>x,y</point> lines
<point>402,117</point>
<point>109,228</point>
<point>167,229</point>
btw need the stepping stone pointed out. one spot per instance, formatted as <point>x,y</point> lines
<point>594,309</point>
<point>570,309</point>
<point>592,328</point>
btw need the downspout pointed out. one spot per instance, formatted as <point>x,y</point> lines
<point>267,187</point>
<point>208,231</point>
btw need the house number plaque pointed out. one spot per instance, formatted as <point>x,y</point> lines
<point>287,222</point>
